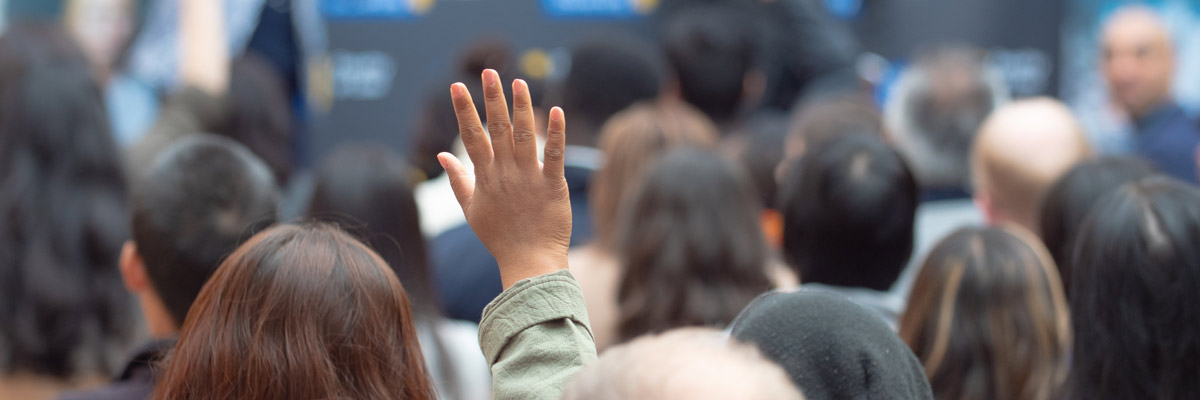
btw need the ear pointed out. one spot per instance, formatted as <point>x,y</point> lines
<point>754,84</point>
<point>671,90</point>
<point>133,269</point>
<point>984,203</point>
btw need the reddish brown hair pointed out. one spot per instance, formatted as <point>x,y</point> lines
<point>631,141</point>
<point>299,312</point>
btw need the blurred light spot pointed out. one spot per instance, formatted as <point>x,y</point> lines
<point>536,64</point>
<point>645,6</point>
<point>421,6</point>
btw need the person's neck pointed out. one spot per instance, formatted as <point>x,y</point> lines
<point>158,320</point>
<point>1153,113</point>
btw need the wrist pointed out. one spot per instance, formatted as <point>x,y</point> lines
<point>531,264</point>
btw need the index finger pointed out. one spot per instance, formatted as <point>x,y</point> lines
<point>469,128</point>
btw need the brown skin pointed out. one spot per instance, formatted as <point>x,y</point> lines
<point>518,207</point>
<point>1138,60</point>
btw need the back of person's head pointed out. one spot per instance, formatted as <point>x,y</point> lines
<point>830,116</point>
<point>690,247</point>
<point>64,311</point>
<point>711,50</point>
<point>688,363</point>
<point>26,43</point>
<point>1021,149</point>
<point>848,208</point>
<point>260,113</point>
<point>631,141</point>
<point>368,190</point>
<point>1134,294</point>
<point>436,128</point>
<point>1072,196</point>
<point>298,312</point>
<point>832,348</point>
<point>608,74</point>
<point>202,196</point>
<point>936,110</point>
<point>988,318</point>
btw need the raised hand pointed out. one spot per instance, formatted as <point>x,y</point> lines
<point>518,207</point>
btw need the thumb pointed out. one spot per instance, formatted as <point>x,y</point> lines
<point>460,181</point>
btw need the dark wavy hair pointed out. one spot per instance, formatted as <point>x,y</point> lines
<point>299,312</point>
<point>1074,194</point>
<point>64,311</point>
<point>1134,295</point>
<point>691,250</point>
<point>988,318</point>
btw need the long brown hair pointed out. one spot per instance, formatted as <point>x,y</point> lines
<point>988,318</point>
<point>690,248</point>
<point>631,140</point>
<point>299,312</point>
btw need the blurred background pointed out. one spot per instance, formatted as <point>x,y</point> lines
<point>363,70</point>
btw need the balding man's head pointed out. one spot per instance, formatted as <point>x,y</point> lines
<point>1021,149</point>
<point>689,363</point>
<point>1139,59</point>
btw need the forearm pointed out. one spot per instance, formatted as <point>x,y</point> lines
<point>204,62</point>
<point>536,336</point>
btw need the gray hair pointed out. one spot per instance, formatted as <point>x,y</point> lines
<point>692,363</point>
<point>935,110</point>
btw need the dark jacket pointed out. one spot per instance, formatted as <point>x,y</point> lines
<point>136,381</point>
<point>468,277</point>
<point>1168,138</point>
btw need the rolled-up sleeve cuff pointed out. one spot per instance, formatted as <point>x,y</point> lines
<point>529,303</point>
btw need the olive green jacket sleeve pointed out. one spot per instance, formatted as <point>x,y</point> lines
<point>536,336</point>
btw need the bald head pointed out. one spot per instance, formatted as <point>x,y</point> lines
<point>1139,59</point>
<point>690,363</point>
<point>1021,149</point>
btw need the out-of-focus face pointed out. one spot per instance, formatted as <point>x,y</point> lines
<point>101,27</point>
<point>1139,61</point>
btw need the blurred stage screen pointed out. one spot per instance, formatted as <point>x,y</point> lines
<point>387,55</point>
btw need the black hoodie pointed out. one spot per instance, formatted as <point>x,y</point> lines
<point>832,348</point>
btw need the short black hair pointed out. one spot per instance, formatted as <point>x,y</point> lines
<point>608,74</point>
<point>1133,294</point>
<point>711,48</point>
<point>202,197</point>
<point>1074,194</point>
<point>848,209</point>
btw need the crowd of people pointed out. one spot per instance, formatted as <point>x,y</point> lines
<point>725,215</point>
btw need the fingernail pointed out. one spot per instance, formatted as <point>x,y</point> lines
<point>519,88</point>
<point>441,157</point>
<point>458,89</point>
<point>491,77</point>
<point>556,114</point>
